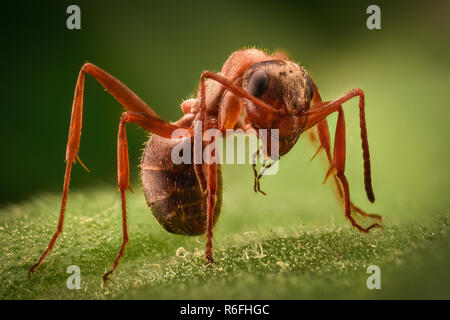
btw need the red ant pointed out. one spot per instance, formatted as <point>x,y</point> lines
<point>253,90</point>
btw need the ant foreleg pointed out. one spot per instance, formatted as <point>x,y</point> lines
<point>321,110</point>
<point>256,186</point>
<point>337,161</point>
<point>323,138</point>
<point>258,176</point>
<point>261,173</point>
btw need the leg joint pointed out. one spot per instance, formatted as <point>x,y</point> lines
<point>87,67</point>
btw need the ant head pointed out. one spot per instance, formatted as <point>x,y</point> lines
<point>285,86</point>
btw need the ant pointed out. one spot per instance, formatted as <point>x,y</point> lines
<point>254,89</point>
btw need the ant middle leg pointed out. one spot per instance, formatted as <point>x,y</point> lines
<point>123,176</point>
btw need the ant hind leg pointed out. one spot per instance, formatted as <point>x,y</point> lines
<point>143,116</point>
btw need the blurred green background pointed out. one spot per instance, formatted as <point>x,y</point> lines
<point>159,49</point>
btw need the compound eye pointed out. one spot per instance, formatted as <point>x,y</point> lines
<point>258,83</point>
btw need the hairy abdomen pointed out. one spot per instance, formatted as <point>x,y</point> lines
<point>173,192</point>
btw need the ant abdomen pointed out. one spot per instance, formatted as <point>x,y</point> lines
<point>173,192</point>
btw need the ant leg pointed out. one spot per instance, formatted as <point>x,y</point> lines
<point>337,163</point>
<point>258,176</point>
<point>323,138</point>
<point>148,119</point>
<point>256,185</point>
<point>60,221</point>
<point>255,172</point>
<point>211,176</point>
<point>321,110</point>
<point>123,175</point>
